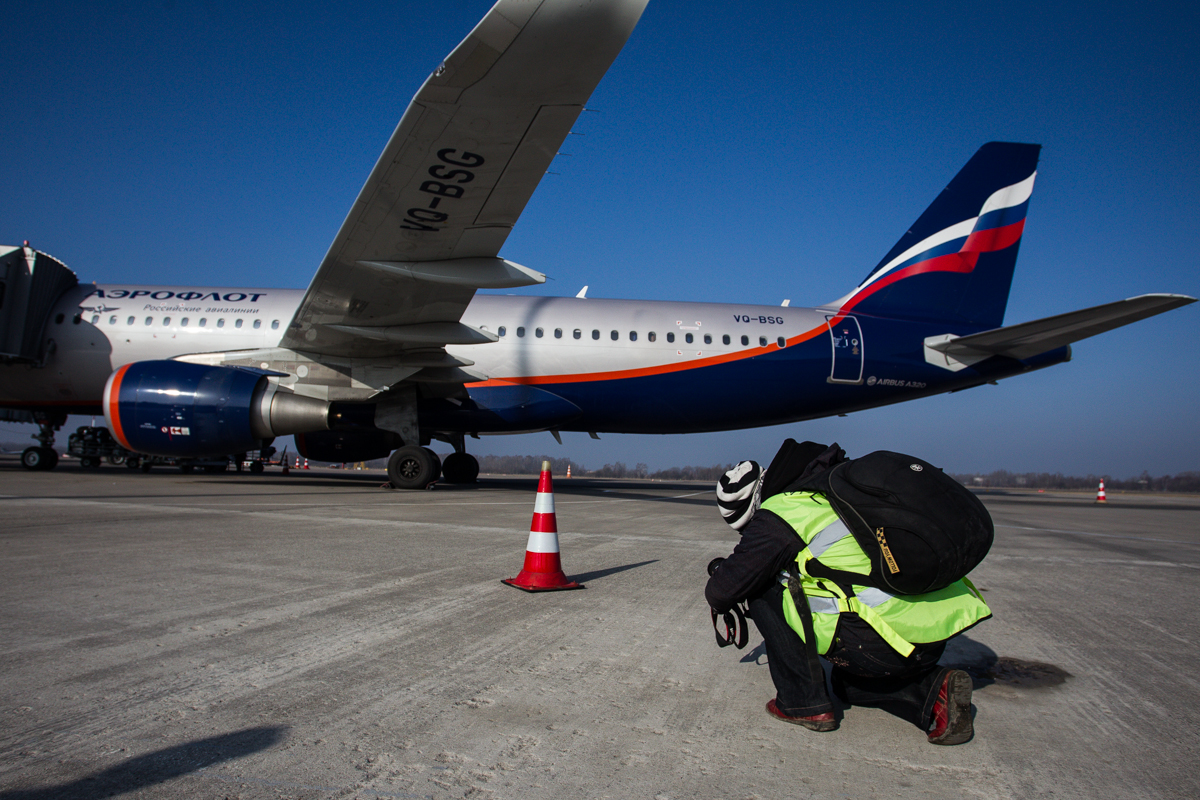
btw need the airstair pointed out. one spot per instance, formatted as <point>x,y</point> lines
<point>31,283</point>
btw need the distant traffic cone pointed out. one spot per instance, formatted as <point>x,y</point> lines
<point>568,470</point>
<point>1100,498</point>
<point>306,463</point>
<point>543,570</point>
<point>297,462</point>
<point>284,471</point>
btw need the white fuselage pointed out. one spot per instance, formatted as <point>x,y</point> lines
<point>97,329</point>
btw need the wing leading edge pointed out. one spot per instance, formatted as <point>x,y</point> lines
<point>428,225</point>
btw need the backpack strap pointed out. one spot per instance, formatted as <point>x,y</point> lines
<point>849,601</point>
<point>796,589</point>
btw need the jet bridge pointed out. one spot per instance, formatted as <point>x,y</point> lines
<point>31,283</point>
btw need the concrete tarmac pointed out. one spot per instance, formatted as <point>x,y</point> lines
<point>315,636</point>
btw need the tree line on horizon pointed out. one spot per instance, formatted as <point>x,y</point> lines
<point>1182,482</point>
<point>532,465</point>
<point>1188,481</point>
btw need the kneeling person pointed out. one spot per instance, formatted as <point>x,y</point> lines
<point>884,648</point>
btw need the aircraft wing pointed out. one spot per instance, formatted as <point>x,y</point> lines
<point>428,225</point>
<point>1032,338</point>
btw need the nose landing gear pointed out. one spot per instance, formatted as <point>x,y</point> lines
<point>43,456</point>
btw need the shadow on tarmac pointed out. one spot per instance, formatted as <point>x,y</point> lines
<point>157,767</point>
<point>591,576</point>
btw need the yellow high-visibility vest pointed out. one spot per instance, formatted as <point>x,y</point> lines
<point>901,620</point>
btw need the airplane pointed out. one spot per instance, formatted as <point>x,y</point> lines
<point>390,347</point>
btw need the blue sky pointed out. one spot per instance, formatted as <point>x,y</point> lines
<point>740,152</point>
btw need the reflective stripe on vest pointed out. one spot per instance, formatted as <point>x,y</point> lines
<point>828,536</point>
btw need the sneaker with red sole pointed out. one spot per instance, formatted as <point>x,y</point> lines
<point>952,711</point>
<point>819,722</point>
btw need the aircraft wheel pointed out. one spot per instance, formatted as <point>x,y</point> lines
<point>116,461</point>
<point>412,467</point>
<point>39,458</point>
<point>460,468</point>
<point>89,462</point>
<point>146,464</point>
<point>133,462</point>
<point>214,469</point>
<point>256,467</point>
<point>437,462</point>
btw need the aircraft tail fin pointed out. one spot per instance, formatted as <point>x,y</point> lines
<point>955,264</point>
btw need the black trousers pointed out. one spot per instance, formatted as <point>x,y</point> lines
<point>866,670</point>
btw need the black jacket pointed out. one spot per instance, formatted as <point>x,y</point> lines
<point>768,546</point>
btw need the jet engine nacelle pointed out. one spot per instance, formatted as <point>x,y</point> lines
<point>178,409</point>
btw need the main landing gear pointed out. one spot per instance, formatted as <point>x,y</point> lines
<point>43,456</point>
<point>460,468</point>
<point>413,467</point>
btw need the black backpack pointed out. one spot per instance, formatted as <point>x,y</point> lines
<point>922,529</point>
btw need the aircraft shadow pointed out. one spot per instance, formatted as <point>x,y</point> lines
<point>157,767</point>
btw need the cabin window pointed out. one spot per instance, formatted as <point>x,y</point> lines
<point>762,341</point>
<point>95,318</point>
<point>183,322</point>
<point>538,332</point>
<point>237,324</point>
<point>166,322</point>
<point>220,323</point>
<point>149,320</point>
<point>520,332</point>
<point>687,337</point>
<point>633,336</point>
<point>782,342</point>
<point>501,331</point>
<point>129,321</point>
<point>595,334</point>
<point>725,339</point>
<point>670,337</point>
<point>745,341</point>
<point>708,338</point>
<point>651,336</point>
<point>614,335</point>
<point>558,333</point>
<point>58,319</point>
<point>112,320</point>
<point>274,324</point>
<point>203,321</point>
<point>577,333</point>
<point>75,320</point>
<point>257,324</point>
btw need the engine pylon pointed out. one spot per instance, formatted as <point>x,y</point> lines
<point>1100,498</point>
<point>543,570</point>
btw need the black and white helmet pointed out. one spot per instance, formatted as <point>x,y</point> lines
<point>739,493</point>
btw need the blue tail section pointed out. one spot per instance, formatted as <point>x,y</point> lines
<point>956,262</point>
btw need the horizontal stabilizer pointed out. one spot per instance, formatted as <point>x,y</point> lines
<point>1033,338</point>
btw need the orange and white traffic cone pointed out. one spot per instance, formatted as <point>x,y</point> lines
<point>543,570</point>
<point>568,470</point>
<point>284,471</point>
<point>306,463</point>
<point>1100,498</point>
<point>297,462</point>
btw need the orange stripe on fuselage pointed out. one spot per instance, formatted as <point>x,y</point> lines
<point>114,407</point>
<point>661,369</point>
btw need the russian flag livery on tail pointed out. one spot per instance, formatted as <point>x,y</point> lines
<point>390,348</point>
<point>956,262</point>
